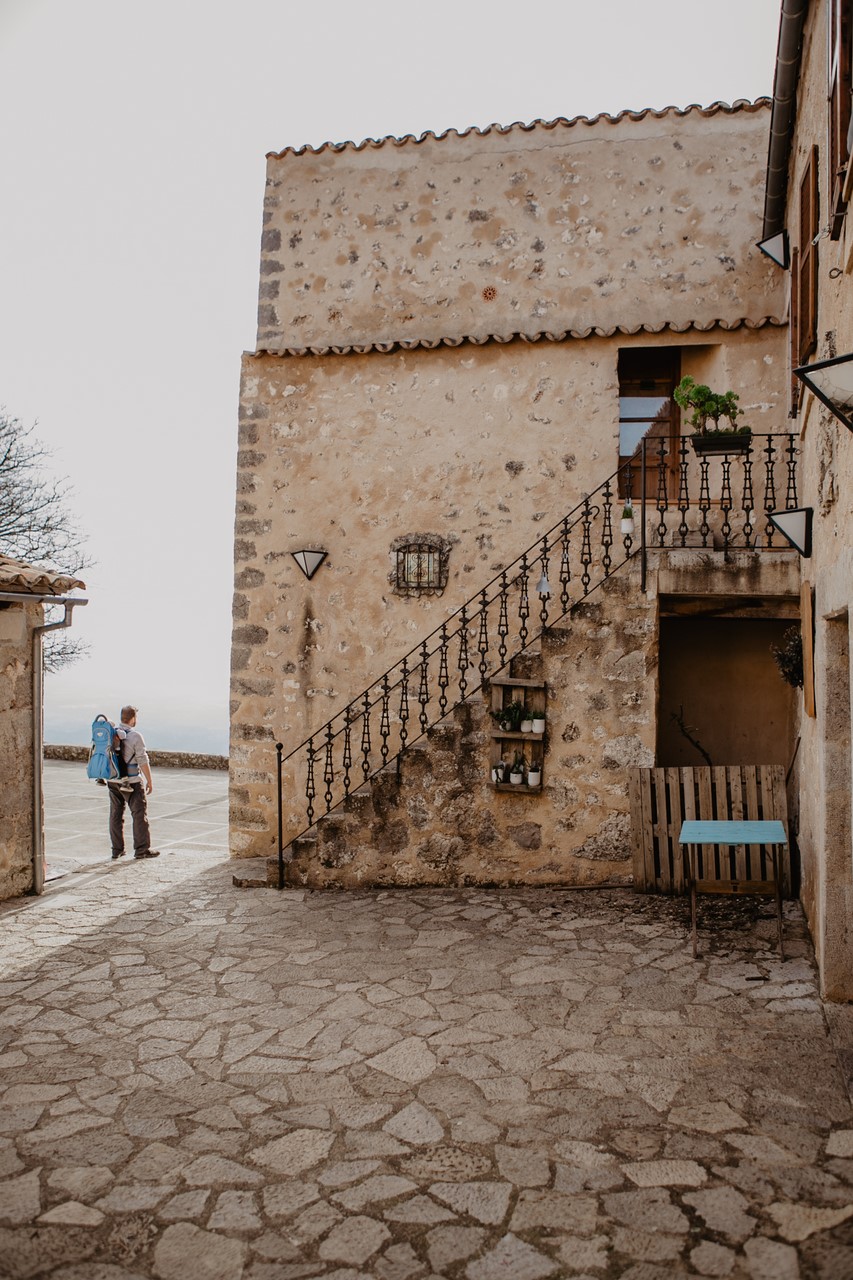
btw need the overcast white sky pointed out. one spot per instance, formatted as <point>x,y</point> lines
<point>132,143</point>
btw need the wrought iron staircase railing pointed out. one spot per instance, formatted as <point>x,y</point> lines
<point>580,552</point>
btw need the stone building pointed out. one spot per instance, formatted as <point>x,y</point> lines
<point>24,589</point>
<point>809,188</point>
<point>462,343</point>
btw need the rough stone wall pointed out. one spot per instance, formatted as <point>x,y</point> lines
<point>16,748</point>
<point>825,754</point>
<point>576,226</point>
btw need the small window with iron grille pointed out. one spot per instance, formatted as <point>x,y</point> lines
<point>420,564</point>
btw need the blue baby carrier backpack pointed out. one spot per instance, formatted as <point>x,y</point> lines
<point>106,763</point>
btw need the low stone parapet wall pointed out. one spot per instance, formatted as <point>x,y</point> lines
<point>160,759</point>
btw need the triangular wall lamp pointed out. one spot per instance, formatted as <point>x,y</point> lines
<point>777,249</point>
<point>309,561</point>
<point>832,382</point>
<point>796,526</point>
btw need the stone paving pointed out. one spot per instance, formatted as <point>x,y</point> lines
<point>205,1083</point>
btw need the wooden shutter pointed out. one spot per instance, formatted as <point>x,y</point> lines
<point>794,330</point>
<point>807,280</point>
<point>840,93</point>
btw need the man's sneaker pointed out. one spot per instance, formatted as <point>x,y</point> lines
<point>120,854</point>
<point>149,853</point>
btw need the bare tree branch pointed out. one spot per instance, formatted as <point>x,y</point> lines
<point>36,524</point>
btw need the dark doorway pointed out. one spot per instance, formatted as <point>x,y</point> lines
<point>721,693</point>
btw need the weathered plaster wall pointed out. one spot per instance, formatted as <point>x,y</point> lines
<point>825,755</point>
<point>16,748</point>
<point>613,223</point>
<point>640,230</point>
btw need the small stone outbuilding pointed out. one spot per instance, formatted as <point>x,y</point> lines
<point>24,590</point>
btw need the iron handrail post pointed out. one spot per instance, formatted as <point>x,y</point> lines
<point>279,748</point>
<point>643,518</point>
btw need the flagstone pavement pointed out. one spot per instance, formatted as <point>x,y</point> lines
<point>199,1082</point>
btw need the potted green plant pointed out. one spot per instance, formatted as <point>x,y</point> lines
<point>626,524</point>
<point>707,406</point>
<point>534,774</point>
<point>517,768</point>
<point>509,718</point>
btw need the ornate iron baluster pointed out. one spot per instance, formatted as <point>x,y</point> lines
<point>704,499</point>
<point>423,688</point>
<point>791,466</point>
<point>483,636</point>
<point>748,497</point>
<point>543,581</point>
<point>607,530</point>
<point>565,567</point>
<point>385,720</point>
<point>329,768</point>
<point>503,621</point>
<point>726,500</point>
<point>663,492</point>
<point>586,546</point>
<point>769,488</point>
<point>404,704</point>
<point>443,676</point>
<point>365,737</point>
<point>310,789</point>
<point>523,602</point>
<point>347,753</point>
<point>463,661</point>
<point>683,491</point>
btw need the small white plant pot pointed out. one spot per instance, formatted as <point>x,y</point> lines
<point>539,725</point>
<point>497,775</point>
<point>534,778</point>
<point>627,527</point>
<point>527,726</point>
<point>516,779</point>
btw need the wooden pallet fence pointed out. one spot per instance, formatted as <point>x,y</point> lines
<point>661,799</point>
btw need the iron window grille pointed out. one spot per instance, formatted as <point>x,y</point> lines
<point>421,568</point>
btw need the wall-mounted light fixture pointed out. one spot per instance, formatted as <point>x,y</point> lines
<point>796,526</point>
<point>832,382</point>
<point>777,249</point>
<point>309,561</point>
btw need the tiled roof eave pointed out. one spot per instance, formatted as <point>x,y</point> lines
<point>562,335</point>
<point>561,122</point>
<point>16,576</point>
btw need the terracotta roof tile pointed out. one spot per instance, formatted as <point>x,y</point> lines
<point>17,576</point>
<point>561,122</point>
<point>410,344</point>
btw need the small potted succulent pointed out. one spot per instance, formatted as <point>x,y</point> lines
<point>707,406</point>
<point>527,723</point>
<point>534,774</point>
<point>517,769</point>
<point>510,717</point>
<point>539,724</point>
<point>626,524</point>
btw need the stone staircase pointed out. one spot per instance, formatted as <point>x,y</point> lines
<point>432,816</point>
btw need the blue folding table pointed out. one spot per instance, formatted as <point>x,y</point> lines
<point>770,834</point>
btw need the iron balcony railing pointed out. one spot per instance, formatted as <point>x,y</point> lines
<point>670,492</point>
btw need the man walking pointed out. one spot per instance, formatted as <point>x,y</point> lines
<point>131,791</point>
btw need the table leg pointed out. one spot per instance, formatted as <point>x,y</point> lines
<point>774,857</point>
<point>692,865</point>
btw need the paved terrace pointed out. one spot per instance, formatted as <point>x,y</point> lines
<point>204,1083</point>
